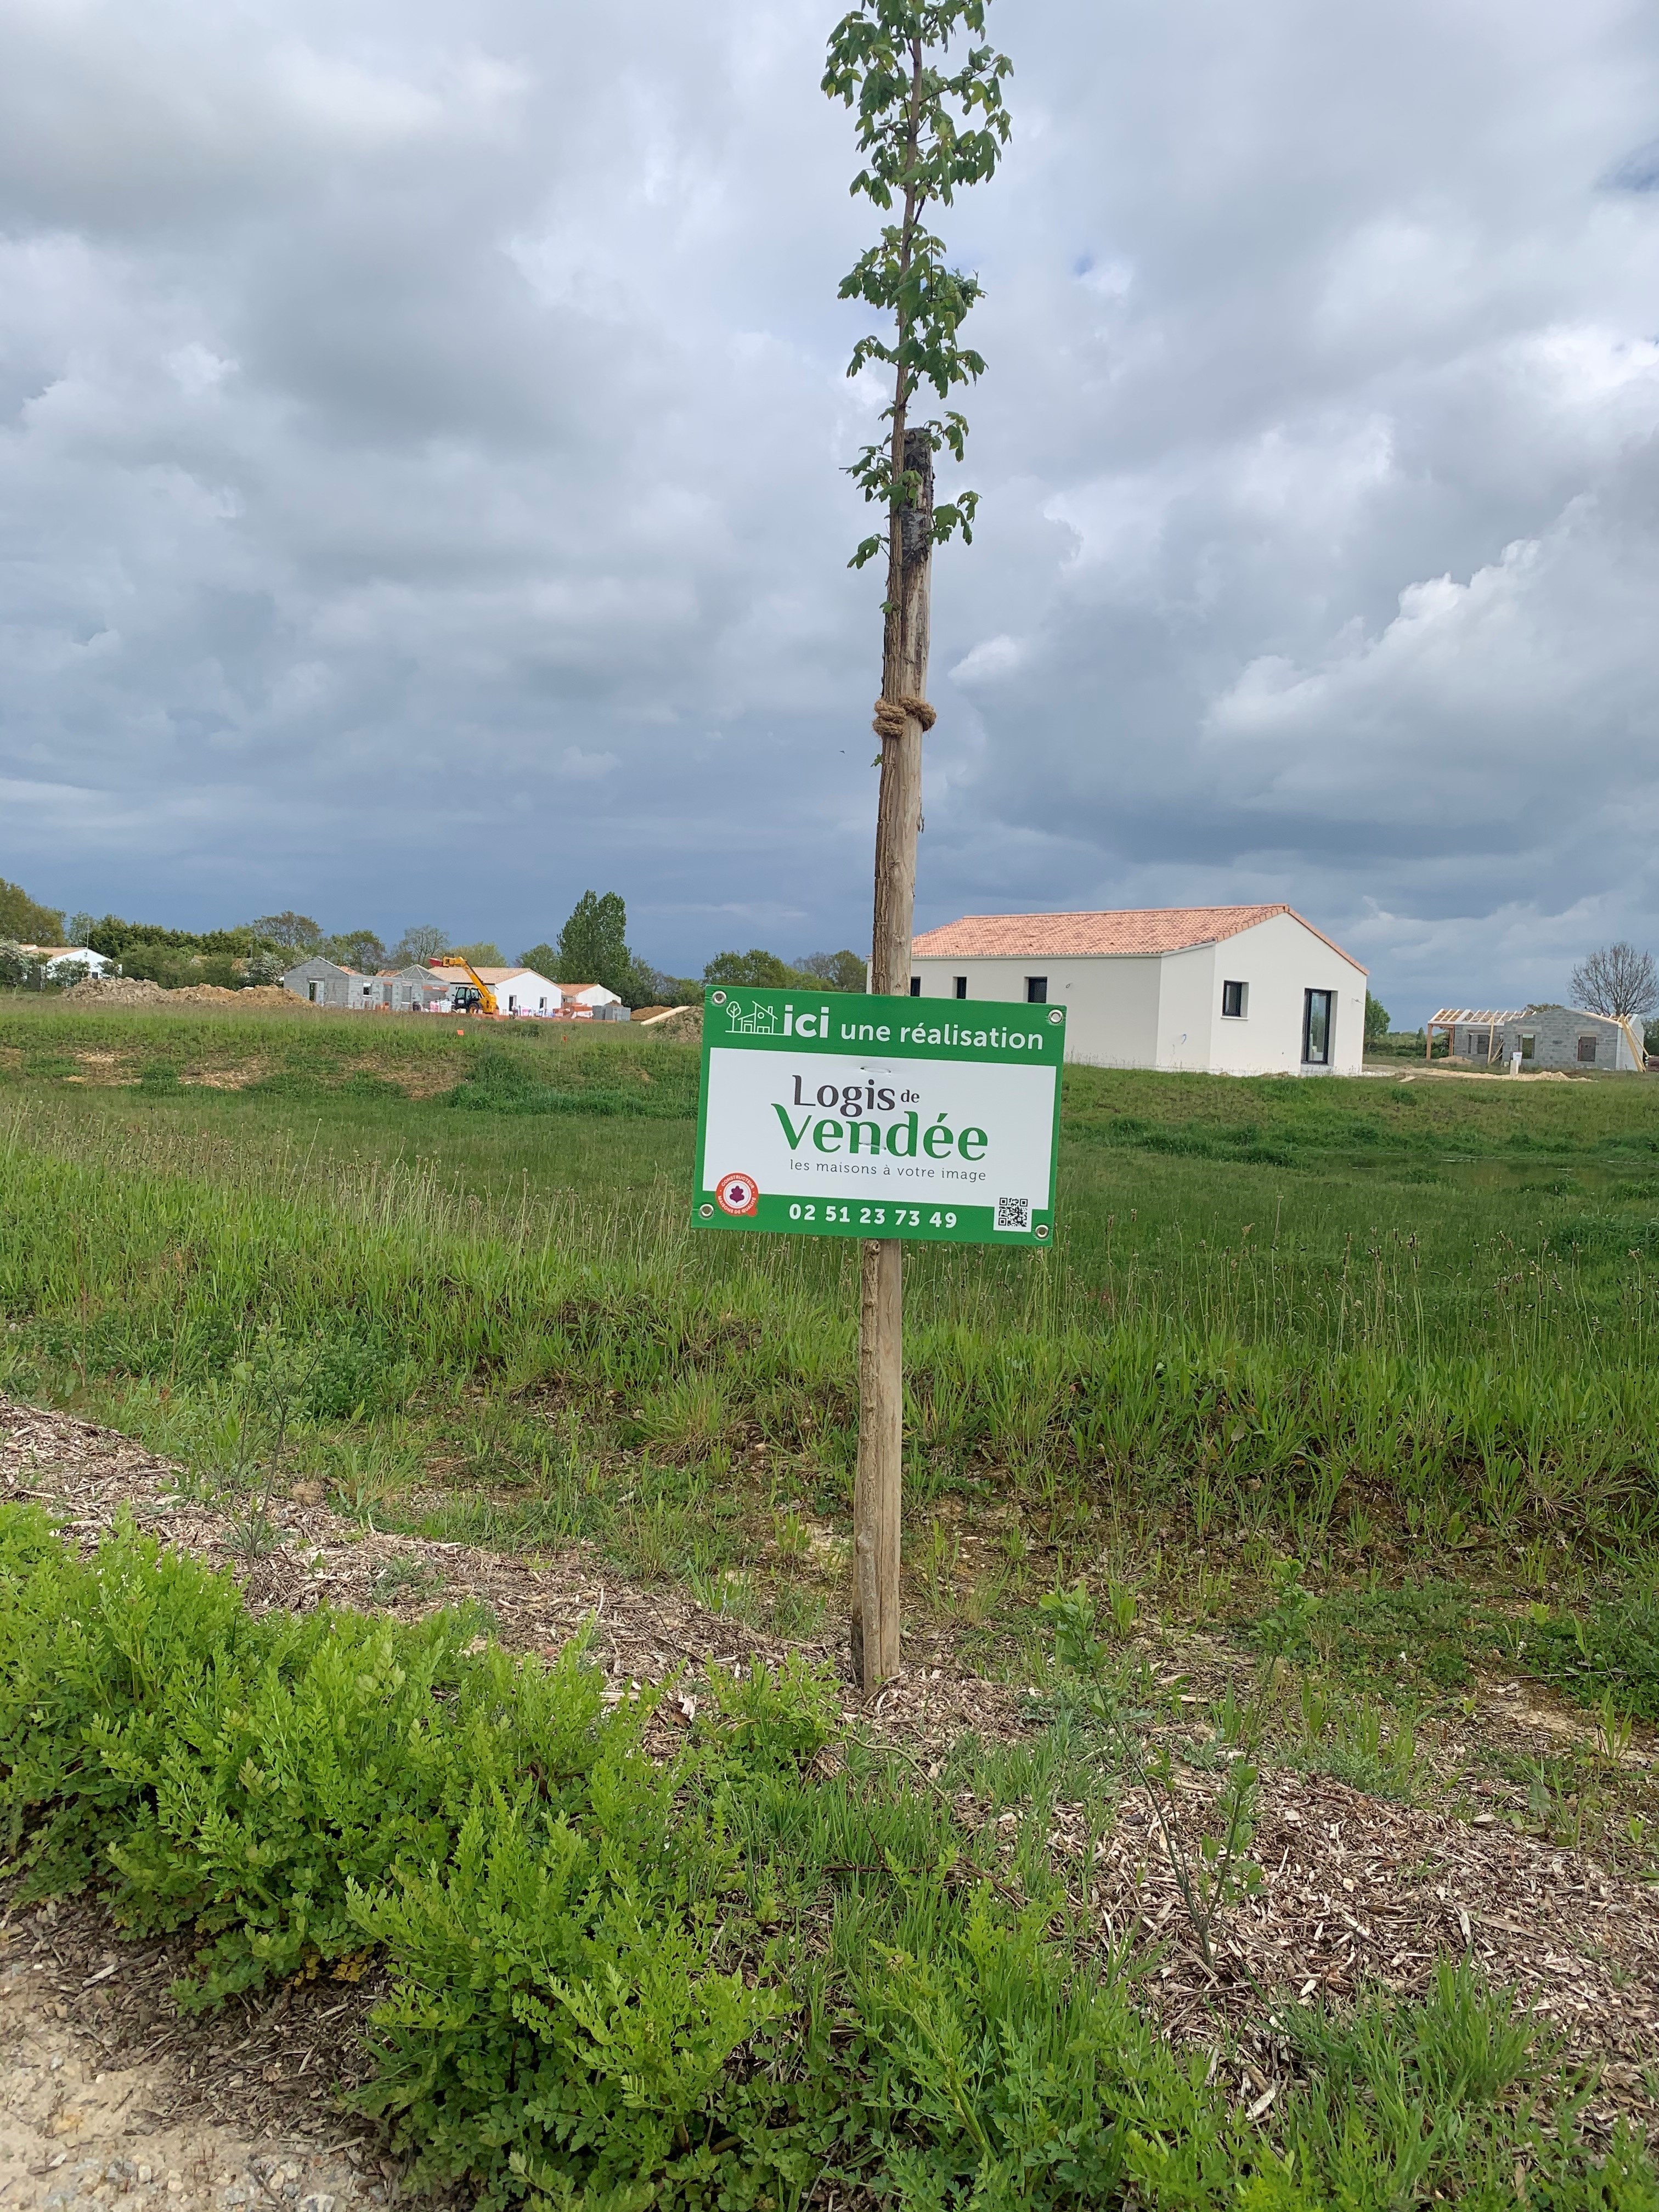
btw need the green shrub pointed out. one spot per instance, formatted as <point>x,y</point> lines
<point>558,2022</point>
<point>242,1774</point>
<point>712,1979</point>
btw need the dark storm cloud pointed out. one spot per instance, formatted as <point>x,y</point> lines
<point>1638,172</point>
<point>420,433</point>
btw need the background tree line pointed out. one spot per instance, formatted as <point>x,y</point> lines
<point>592,947</point>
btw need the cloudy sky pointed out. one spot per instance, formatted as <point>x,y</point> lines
<point>419,430</point>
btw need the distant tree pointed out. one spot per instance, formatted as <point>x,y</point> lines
<point>839,971</point>
<point>78,929</point>
<point>1617,980</point>
<point>760,970</point>
<point>136,942</point>
<point>651,986</point>
<point>297,931</point>
<point>19,970</point>
<point>419,946</point>
<point>484,954</point>
<point>544,959</point>
<point>24,921</point>
<point>593,944</point>
<point>356,948</point>
<point>1376,1020</point>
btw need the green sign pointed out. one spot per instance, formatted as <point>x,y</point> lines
<point>844,1117</point>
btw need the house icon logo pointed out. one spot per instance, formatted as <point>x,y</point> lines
<point>759,1021</point>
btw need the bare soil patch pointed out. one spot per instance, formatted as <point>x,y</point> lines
<point>108,2096</point>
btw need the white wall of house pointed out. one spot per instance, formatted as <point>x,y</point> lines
<point>523,991</point>
<point>1164,1010</point>
<point>1186,1019</point>
<point>590,995</point>
<point>71,955</point>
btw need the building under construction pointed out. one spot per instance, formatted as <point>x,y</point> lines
<point>1525,1037</point>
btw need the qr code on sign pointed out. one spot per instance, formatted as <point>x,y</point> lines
<point>1014,1213</point>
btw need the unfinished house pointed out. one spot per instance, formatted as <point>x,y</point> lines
<point>324,983</point>
<point>413,990</point>
<point>1523,1037</point>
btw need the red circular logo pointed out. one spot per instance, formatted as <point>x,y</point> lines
<point>737,1194</point>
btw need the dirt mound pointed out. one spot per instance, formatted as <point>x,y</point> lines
<point>115,991</point>
<point>216,994</point>
<point>137,991</point>
<point>682,1022</point>
<point>269,994</point>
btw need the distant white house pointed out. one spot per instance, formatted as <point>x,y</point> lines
<point>1224,990</point>
<point>55,958</point>
<point>518,990</point>
<point>587,999</point>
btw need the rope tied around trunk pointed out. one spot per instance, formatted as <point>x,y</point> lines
<point>890,715</point>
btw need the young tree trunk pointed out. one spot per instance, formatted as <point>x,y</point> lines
<point>877,1495</point>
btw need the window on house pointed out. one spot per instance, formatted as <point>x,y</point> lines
<point>1036,990</point>
<point>1316,1028</point>
<point>1528,1044</point>
<point>961,987</point>
<point>313,986</point>
<point>1586,1051</point>
<point>915,987</point>
<point>1235,997</point>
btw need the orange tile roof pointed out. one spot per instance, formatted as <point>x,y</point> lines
<point>1143,929</point>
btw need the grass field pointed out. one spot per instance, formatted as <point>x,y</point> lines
<point>1421,1309</point>
<point>1359,1375</point>
<point>1380,1325</point>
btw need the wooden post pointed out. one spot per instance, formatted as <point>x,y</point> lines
<point>877,1493</point>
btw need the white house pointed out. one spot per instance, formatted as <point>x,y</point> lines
<point>587,998</point>
<point>57,958</point>
<point>1222,990</point>
<point>519,991</point>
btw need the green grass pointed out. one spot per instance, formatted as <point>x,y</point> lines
<point>273,1052</point>
<point>1399,1335</point>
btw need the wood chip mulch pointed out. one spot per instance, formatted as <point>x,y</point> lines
<point>86,1475</point>
<point>1357,1891</point>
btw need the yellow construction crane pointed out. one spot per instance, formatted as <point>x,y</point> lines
<point>475,997</point>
